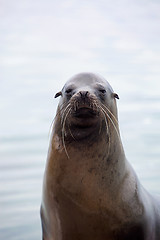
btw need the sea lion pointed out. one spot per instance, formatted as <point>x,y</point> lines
<point>90,191</point>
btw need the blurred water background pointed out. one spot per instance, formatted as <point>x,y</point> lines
<point>42,44</point>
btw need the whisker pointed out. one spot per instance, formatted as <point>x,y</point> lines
<point>50,128</point>
<point>63,106</point>
<point>63,133</point>
<point>64,112</point>
<point>110,112</point>
<point>57,115</point>
<point>107,130</point>
<point>111,122</point>
<point>71,133</point>
<point>74,106</point>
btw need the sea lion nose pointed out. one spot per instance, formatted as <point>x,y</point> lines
<point>83,94</point>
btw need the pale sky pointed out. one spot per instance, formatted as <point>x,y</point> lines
<point>111,37</point>
<point>43,43</point>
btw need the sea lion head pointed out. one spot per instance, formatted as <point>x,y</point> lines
<point>86,107</point>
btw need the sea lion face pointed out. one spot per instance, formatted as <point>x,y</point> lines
<point>85,98</point>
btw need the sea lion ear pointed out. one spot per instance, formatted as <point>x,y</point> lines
<point>58,94</point>
<point>115,95</point>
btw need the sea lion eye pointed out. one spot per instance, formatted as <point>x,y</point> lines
<point>102,91</point>
<point>69,90</point>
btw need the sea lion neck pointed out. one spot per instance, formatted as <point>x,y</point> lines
<point>95,149</point>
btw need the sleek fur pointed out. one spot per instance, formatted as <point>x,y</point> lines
<point>90,191</point>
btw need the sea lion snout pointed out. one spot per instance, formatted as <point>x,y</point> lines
<point>84,100</point>
<point>84,113</point>
<point>83,97</point>
<point>83,94</point>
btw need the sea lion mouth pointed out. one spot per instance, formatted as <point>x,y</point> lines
<point>85,112</point>
<point>84,117</point>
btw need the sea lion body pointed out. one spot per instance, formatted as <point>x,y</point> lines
<point>90,191</point>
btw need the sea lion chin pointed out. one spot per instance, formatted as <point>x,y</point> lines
<point>90,191</point>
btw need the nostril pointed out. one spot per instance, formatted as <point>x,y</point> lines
<point>83,94</point>
<point>86,94</point>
